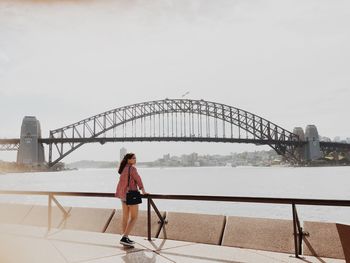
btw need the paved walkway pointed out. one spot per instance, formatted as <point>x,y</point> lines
<point>27,244</point>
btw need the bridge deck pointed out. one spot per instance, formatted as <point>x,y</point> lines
<point>36,245</point>
<point>9,141</point>
<point>102,140</point>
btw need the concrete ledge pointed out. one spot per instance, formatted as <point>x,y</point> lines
<point>140,228</point>
<point>198,228</point>
<point>38,216</point>
<point>13,213</point>
<point>259,233</point>
<point>324,239</point>
<point>344,235</point>
<point>88,219</point>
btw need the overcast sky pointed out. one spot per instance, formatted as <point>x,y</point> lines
<point>63,61</point>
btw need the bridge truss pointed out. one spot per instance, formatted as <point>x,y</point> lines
<point>172,120</point>
<point>9,144</point>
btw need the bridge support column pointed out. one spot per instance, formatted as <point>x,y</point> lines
<point>313,150</point>
<point>300,151</point>
<point>30,151</point>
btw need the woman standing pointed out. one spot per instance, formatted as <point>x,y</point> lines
<point>130,212</point>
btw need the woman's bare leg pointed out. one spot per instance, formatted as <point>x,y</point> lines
<point>134,210</point>
<point>125,220</point>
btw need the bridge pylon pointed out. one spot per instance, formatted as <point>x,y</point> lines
<point>311,150</point>
<point>30,151</point>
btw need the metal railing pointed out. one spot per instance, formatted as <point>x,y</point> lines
<point>297,229</point>
<point>51,197</point>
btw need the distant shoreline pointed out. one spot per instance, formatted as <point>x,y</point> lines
<point>40,170</point>
<point>245,159</point>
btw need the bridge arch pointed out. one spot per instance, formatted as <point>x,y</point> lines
<point>191,120</point>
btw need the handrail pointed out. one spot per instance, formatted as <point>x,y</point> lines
<point>86,194</point>
<point>297,229</point>
<point>271,200</point>
<point>244,199</point>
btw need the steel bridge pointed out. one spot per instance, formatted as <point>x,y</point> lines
<point>9,144</point>
<point>184,120</point>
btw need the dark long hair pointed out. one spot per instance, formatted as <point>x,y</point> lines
<point>127,157</point>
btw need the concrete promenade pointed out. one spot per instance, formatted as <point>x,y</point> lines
<point>31,244</point>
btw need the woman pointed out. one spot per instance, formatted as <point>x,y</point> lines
<point>129,211</point>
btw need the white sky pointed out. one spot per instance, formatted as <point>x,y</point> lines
<point>63,61</point>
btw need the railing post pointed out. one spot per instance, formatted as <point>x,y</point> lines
<point>149,218</point>
<point>49,212</point>
<point>65,213</point>
<point>162,221</point>
<point>300,231</point>
<point>296,250</point>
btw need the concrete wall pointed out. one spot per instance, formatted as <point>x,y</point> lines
<point>259,233</point>
<point>140,229</point>
<point>199,228</point>
<point>13,213</point>
<point>344,235</point>
<point>89,219</point>
<point>38,216</point>
<point>327,240</point>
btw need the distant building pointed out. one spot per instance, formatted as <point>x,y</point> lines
<point>166,157</point>
<point>190,160</point>
<point>348,140</point>
<point>197,164</point>
<point>185,160</point>
<point>123,152</point>
<point>325,139</point>
<point>336,139</point>
<point>193,157</point>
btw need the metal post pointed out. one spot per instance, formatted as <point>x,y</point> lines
<point>65,213</point>
<point>300,231</point>
<point>61,152</point>
<point>49,212</point>
<point>162,221</point>
<point>300,241</point>
<point>239,124</point>
<point>50,149</point>
<point>149,218</point>
<point>295,232</point>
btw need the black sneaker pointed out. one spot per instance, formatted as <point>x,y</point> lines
<point>126,242</point>
<point>130,241</point>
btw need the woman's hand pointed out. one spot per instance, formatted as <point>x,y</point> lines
<point>144,192</point>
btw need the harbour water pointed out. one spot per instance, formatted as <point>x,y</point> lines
<point>316,182</point>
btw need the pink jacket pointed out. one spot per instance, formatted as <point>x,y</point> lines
<point>135,181</point>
